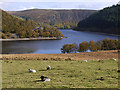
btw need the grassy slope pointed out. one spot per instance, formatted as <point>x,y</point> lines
<point>64,74</point>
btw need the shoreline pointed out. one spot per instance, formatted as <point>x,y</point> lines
<point>117,35</point>
<point>26,39</point>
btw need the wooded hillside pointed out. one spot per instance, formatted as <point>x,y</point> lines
<point>105,21</point>
<point>16,27</point>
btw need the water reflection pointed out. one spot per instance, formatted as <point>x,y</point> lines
<point>51,46</point>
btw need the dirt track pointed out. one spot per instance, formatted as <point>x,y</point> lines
<point>104,55</point>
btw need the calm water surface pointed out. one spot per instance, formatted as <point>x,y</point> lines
<point>51,46</point>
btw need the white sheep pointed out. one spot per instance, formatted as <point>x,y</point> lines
<point>47,79</point>
<point>99,59</point>
<point>48,67</point>
<point>44,78</point>
<point>114,59</point>
<point>33,71</point>
<point>85,60</point>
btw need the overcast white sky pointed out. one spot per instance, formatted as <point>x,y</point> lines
<point>14,5</point>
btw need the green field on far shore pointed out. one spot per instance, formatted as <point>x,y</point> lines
<point>63,74</point>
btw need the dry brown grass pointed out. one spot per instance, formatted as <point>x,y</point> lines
<point>104,55</point>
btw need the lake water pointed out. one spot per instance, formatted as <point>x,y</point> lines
<point>51,46</point>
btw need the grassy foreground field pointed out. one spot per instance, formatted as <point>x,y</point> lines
<point>64,74</point>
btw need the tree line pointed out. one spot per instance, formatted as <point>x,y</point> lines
<point>65,25</point>
<point>106,44</point>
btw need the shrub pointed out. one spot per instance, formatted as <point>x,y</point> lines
<point>68,48</point>
<point>84,46</point>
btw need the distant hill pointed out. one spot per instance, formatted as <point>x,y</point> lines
<point>58,18</point>
<point>16,27</point>
<point>105,21</point>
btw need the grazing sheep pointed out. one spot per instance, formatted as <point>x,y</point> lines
<point>99,60</point>
<point>85,60</point>
<point>118,71</point>
<point>44,78</point>
<point>30,70</point>
<point>48,67</point>
<point>114,59</point>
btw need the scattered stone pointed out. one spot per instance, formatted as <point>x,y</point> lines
<point>45,58</point>
<point>100,60</point>
<point>68,59</point>
<point>101,78</point>
<point>99,68</point>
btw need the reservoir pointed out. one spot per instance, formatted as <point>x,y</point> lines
<point>51,46</point>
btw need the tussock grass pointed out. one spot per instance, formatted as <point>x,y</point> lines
<point>104,55</point>
<point>63,74</point>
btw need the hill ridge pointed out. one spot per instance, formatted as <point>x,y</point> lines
<point>58,18</point>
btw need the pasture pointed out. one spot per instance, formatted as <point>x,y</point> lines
<point>63,74</point>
